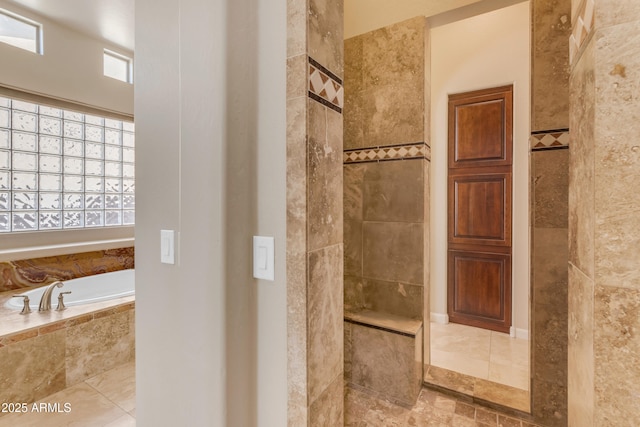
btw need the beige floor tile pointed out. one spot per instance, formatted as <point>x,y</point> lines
<point>509,351</point>
<point>460,421</point>
<point>88,409</point>
<point>459,330</point>
<point>117,385</point>
<point>460,362</point>
<point>124,421</point>
<point>481,353</point>
<point>514,376</point>
<point>462,339</point>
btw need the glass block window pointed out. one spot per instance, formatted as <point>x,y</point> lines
<point>20,32</point>
<point>62,169</point>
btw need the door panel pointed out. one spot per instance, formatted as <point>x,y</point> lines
<point>480,286</point>
<point>479,208</point>
<point>479,132</point>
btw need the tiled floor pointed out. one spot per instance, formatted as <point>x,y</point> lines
<point>106,400</point>
<point>431,409</point>
<point>481,353</point>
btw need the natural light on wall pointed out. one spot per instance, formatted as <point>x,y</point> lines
<point>118,66</point>
<point>20,32</point>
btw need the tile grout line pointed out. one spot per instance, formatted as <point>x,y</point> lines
<point>104,395</point>
<point>493,338</point>
<point>490,351</point>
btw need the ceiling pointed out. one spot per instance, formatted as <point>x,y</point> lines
<point>361,16</point>
<point>110,20</point>
<point>113,20</point>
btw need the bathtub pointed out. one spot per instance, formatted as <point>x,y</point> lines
<point>85,290</point>
<point>94,334</point>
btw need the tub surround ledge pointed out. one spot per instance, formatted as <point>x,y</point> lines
<point>17,327</point>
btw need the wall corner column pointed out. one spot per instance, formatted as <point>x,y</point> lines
<point>549,184</point>
<point>315,99</point>
<point>604,269</point>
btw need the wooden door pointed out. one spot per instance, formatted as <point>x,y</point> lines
<point>479,208</point>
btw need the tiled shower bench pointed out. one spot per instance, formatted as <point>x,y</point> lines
<point>383,354</point>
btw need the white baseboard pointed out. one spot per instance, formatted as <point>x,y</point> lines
<point>522,334</point>
<point>441,318</point>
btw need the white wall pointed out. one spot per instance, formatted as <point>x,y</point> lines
<point>361,16</point>
<point>70,69</point>
<point>485,51</point>
<point>211,163</point>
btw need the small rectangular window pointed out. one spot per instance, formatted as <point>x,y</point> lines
<point>118,66</point>
<point>20,32</point>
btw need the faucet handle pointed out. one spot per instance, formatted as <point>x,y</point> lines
<point>25,308</point>
<point>61,305</point>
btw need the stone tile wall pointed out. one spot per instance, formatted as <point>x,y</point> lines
<point>385,236</point>
<point>549,291</point>
<point>385,362</point>
<point>386,175</point>
<point>315,99</point>
<point>549,165</point>
<point>604,290</point>
<point>551,28</point>
<point>386,171</point>
<point>385,86</point>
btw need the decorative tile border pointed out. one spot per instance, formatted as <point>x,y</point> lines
<point>549,139</point>
<point>418,150</point>
<point>325,87</point>
<point>581,28</point>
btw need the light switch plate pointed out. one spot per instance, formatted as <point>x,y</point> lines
<point>167,247</point>
<point>263,258</point>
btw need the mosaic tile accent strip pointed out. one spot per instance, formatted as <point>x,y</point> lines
<point>42,271</point>
<point>325,87</point>
<point>552,139</point>
<point>581,28</point>
<point>418,150</point>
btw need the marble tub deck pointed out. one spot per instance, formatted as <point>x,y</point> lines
<point>13,324</point>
